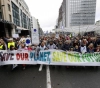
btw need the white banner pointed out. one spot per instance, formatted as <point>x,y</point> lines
<point>50,57</point>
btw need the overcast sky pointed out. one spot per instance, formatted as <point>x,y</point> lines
<point>47,12</point>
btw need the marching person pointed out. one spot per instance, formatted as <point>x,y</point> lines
<point>83,46</point>
<point>30,48</point>
<point>98,49</point>
<point>43,46</point>
<point>11,43</point>
<point>67,45</point>
<point>12,48</point>
<point>2,47</point>
<point>77,49</point>
<point>90,48</point>
<point>23,47</point>
<point>51,45</point>
<point>23,39</point>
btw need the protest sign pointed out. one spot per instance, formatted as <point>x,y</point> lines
<point>35,36</point>
<point>35,39</point>
<point>57,35</point>
<point>50,57</point>
<point>15,35</point>
<point>28,41</point>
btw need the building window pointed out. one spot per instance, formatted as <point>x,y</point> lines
<point>15,11</point>
<point>17,1</point>
<point>22,7</point>
<point>19,4</point>
<point>10,18</point>
<point>8,7</point>
<point>24,20</point>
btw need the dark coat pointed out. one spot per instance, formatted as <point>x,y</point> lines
<point>66,47</point>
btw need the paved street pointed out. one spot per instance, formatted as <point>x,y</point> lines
<point>75,77</point>
<point>61,77</point>
<point>29,78</point>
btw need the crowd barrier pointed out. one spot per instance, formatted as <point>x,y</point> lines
<point>49,57</point>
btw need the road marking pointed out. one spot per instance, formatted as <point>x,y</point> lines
<point>48,77</point>
<point>40,69</point>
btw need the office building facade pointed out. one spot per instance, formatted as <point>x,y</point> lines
<point>77,12</point>
<point>35,25</point>
<point>16,13</point>
<point>98,22</point>
<point>21,17</point>
<point>6,23</point>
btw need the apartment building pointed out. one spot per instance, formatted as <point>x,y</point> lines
<point>76,13</point>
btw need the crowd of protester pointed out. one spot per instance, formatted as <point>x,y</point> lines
<point>84,44</point>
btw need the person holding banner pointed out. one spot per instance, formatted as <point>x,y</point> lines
<point>23,47</point>
<point>98,49</point>
<point>11,43</point>
<point>29,48</point>
<point>43,46</point>
<point>83,46</point>
<point>67,45</point>
<point>2,47</point>
<point>90,48</point>
<point>51,45</point>
<point>12,48</point>
<point>77,49</point>
<point>60,45</point>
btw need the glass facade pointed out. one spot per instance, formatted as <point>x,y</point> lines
<point>20,17</point>
<point>82,12</point>
<point>15,11</point>
<point>24,21</point>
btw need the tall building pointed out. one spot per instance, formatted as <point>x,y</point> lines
<point>76,13</point>
<point>21,17</point>
<point>35,25</point>
<point>98,22</point>
<point>7,27</point>
<point>16,17</point>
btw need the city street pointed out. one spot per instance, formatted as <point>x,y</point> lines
<point>61,77</point>
<point>79,77</point>
<point>28,78</point>
<point>50,44</point>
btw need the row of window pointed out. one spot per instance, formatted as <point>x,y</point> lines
<point>16,21</point>
<point>17,16</point>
